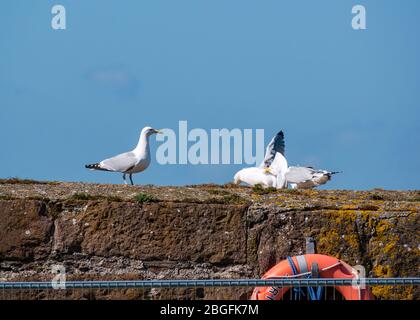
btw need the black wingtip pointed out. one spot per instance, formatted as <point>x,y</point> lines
<point>95,166</point>
<point>92,166</point>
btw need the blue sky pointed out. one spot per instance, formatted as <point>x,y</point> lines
<point>347,100</point>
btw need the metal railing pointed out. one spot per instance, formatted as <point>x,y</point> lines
<point>280,282</point>
<point>236,289</point>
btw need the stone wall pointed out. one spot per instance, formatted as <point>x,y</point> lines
<point>130,232</point>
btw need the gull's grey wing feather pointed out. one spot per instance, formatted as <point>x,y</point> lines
<point>120,163</point>
<point>276,145</point>
<point>299,174</point>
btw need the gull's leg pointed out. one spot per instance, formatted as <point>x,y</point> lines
<point>125,181</point>
<point>131,179</point>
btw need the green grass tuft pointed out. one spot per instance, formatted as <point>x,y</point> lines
<point>84,196</point>
<point>218,192</point>
<point>376,196</point>
<point>114,198</point>
<point>258,189</point>
<point>145,198</point>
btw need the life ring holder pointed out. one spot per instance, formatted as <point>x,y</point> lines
<point>304,266</point>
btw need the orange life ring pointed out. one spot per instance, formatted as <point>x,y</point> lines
<point>329,267</point>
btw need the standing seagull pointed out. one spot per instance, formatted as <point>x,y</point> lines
<point>130,162</point>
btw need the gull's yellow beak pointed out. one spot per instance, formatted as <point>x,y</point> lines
<point>267,170</point>
<point>159,132</point>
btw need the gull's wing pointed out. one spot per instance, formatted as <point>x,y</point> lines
<point>276,145</point>
<point>121,163</point>
<point>299,174</point>
<point>278,165</point>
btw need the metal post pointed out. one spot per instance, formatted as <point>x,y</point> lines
<point>310,245</point>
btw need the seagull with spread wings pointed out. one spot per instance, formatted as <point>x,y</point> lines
<point>274,170</point>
